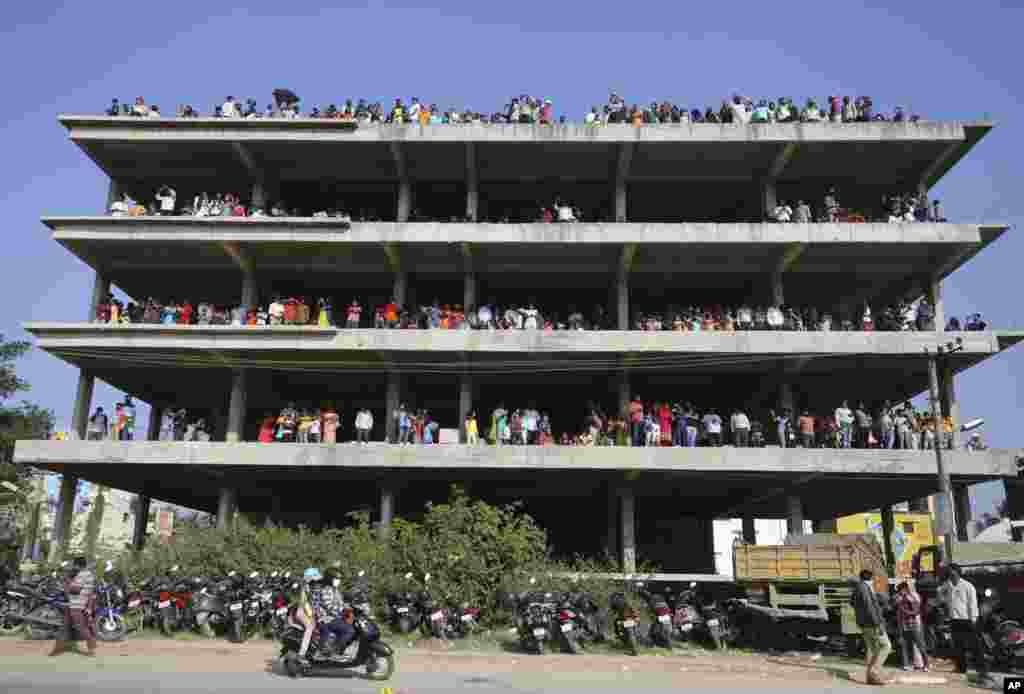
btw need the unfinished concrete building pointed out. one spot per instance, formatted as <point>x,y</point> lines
<point>684,206</point>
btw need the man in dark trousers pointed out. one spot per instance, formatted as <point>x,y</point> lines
<point>961,598</point>
<point>871,621</point>
<point>81,589</point>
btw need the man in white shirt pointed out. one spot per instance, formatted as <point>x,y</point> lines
<point>414,110</point>
<point>740,425</point>
<point>713,428</point>
<point>564,212</point>
<point>782,212</point>
<point>166,198</point>
<point>98,426</point>
<point>230,109</point>
<point>364,424</point>
<point>961,599</point>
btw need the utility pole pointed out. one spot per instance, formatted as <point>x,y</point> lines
<point>945,488</point>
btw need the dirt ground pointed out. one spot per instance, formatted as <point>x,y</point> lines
<point>201,656</point>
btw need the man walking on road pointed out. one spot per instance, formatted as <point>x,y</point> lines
<point>872,625</point>
<point>961,598</point>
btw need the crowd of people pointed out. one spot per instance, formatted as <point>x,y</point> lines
<point>320,312</point>
<point>529,109</point>
<point>117,427</point>
<point>898,208</point>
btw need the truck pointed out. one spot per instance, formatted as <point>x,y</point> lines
<point>802,589</point>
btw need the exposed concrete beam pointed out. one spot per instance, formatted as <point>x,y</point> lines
<point>238,255</point>
<point>934,169</point>
<point>782,159</point>
<point>738,510</point>
<point>394,256</point>
<point>244,156</point>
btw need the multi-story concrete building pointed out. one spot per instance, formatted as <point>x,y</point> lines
<point>684,205</point>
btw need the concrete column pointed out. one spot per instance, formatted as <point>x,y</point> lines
<point>404,201</point>
<point>787,400</point>
<point>472,183</point>
<point>749,530</point>
<point>621,201</point>
<point>113,193</point>
<point>387,511</point>
<point>950,405</point>
<point>628,520</point>
<point>465,403</point>
<point>227,506</point>
<point>778,289</point>
<point>938,305</point>
<point>398,291</point>
<point>100,290</point>
<point>795,519</point>
<point>918,505</point>
<point>250,294</point>
<point>83,401</point>
<point>611,537</point>
<point>258,195</point>
<point>888,526</point>
<point>61,539</point>
<point>622,303</point>
<point>1015,505</point>
<point>624,399</point>
<point>153,429</point>
<point>769,199</point>
<point>236,408</point>
<point>141,520</point>
<point>391,402</point>
<point>468,290</point>
<point>28,547</point>
<point>962,512</point>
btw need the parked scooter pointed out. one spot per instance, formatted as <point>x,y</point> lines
<point>687,623</point>
<point>110,605</point>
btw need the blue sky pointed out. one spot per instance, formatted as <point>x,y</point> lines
<point>933,60</point>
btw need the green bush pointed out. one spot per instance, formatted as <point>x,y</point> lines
<point>472,551</point>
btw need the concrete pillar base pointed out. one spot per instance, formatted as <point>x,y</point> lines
<point>61,541</point>
<point>140,522</point>
<point>627,511</point>
<point>795,519</point>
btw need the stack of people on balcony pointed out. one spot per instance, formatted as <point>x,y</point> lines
<point>531,109</point>
<point>319,312</point>
<point>893,209</point>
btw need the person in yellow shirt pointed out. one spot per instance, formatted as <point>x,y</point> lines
<point>471,429</point>
<point>947,432</point>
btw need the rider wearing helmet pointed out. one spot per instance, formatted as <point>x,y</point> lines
<point>320,603</point>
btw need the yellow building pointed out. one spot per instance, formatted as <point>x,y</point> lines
<point>911,532</point>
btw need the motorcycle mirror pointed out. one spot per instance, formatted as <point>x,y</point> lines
<point>408,575</point>
<point>361,574</point>
<point>254,574</point>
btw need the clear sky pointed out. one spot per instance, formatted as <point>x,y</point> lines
<point>939,61</point>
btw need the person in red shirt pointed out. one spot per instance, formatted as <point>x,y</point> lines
<point>636,421</point>
<point>290,311</point>
<point>185,313</point>
<point>391,313</point>
<point>806,425</point>
<point>266,434</point>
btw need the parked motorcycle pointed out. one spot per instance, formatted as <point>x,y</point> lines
<point>403,611</point>
<point>687,623</point>
<point>660,632</point>
<point>567,625</point>
<point>625,622</point>
<point>1003,637</point>
<point>212,615</point>
<point>535,613</point>
<point>376,657</point>
<point>110,605</point>
<point>433,617</point>
<point>174,603</point>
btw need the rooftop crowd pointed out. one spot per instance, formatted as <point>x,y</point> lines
<point>526,108</point>
<point>307,311</point>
